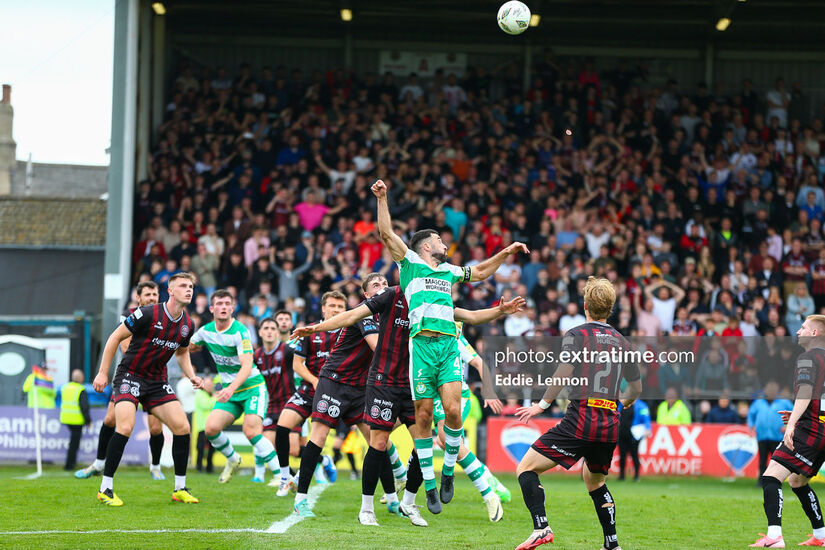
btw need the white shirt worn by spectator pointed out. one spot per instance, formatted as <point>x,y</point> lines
<point>746,161</point>
<point>414,90</point>
<point>750,333</point>
<point>454,95</point>
<point>348,177</point>
<point>594,243</point>
<point>665,310</point>
<point>362,164</point>
<point>777,98</point>
<point>517,325</point>
<point>566,322</point>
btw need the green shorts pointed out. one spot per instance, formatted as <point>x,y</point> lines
<point>434,360</point>
<point>251,401</point>
<point>438,408</point>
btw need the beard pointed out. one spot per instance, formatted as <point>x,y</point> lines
<point>440,257</point>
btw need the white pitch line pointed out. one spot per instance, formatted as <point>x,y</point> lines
<point>284,524</point>
<point>279,527</point>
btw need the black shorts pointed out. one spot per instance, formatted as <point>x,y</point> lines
<point>148,393</point>
<point>565,449</point>
<point>335,402</point>
<point>803,460</point>
<point>385,404</point>
<point>271,421</point>
<point>301,400</point>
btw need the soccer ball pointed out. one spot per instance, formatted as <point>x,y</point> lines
<point>513,17</point>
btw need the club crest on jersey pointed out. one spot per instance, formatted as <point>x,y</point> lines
<point>420,387</point>
<point>322,406</point>
<point>184,331</point>
<point>135,391</point>
<point>124,388</point>
<point>375,411</point>
<point>334,411</point>
<point>386,414</point>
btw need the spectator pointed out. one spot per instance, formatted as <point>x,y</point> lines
<point>672,411</point>
<point>800,305</point>
<point>634,425</point>
<point>766,423</point>
<point>571,319</point>
<point>723,412</point>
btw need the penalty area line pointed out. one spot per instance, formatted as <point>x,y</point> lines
<point>284,524</point>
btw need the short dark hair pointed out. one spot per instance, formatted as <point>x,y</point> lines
<point>336,294</point>
<point>145,284</point>
<point>368,278</point>
<point>221,293</point>
<point>419,237</point>
<point>280,312</point>
<point>267,320</point>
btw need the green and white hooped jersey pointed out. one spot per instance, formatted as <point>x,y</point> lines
<point>429,293</point>
<point>226,349</point>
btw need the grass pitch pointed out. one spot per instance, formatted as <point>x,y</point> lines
<point>655,514</point>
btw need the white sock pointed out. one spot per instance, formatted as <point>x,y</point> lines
<point>180,482</point>
<point>299,497</point>
<point>319,472</point>
<point>221,444</point>
<point>392,497</point>
<point>408,499</point>
<point>819,533</point>
<point>367,503</point>
<point>98,464</point>
<point>285,473</point>
<point>398,468</point>
<point>774,531</point>
<point>106,482</point>
<point>154,467</point>
<point>260,470</point>
<point>264,449</point>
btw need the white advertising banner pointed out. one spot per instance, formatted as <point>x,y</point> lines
<point>424,64</point>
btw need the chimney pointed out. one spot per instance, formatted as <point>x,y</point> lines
<point>8,149</point>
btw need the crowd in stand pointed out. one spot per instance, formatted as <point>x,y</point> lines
<point>704,208</point>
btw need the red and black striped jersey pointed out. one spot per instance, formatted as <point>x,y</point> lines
<point>810,371</point>
<point>314,349</point>
<point>350,358</point>
<point>592,414</point>
<point>155,338</point>
<point>276,367</point>
<point>391,361</point>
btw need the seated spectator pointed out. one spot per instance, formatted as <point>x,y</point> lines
<point>723,412</point>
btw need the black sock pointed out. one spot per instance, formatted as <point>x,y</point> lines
<point>351,458</point>
<point>106,433</point>
<point>414,476</point>
<point>320,458</point>
<point>336,455</point>
<point>301,451</point>
<point>387,477</point>
<point>114,452</point>
<point>533,494</point>
<point>772,495</point>
<point>606,510</point>
<point>282,445</point>
<point>373,462</point>
<point>309,459</point>
<point>180,453</point>
<point>156,447</point>
<point>809,502</point>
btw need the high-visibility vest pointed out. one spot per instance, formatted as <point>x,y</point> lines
<point>70,412</point>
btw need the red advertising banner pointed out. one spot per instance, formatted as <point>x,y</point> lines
<point>694,449</point>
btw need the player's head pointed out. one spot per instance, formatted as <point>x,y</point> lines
<point>373,283</point>
<point>147,293</point>
<point>283,320</point>
<point>222,305</point>
<point>427,243</point>
<point>333,303</point>
<point>599,297</point>
<point>812,332</point>
<point>182,287</point>
<point>269,331</point>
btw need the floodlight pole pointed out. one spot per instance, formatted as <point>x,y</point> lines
<point>118,256</point>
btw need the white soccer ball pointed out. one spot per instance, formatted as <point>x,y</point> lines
<point>513,17</point>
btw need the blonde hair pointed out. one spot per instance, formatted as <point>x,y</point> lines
<point>182,275</point>
<point>817,318</point>
<point>599,297</point>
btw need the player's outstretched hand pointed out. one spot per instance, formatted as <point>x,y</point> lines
<point>197,382</point>
<point>515,248</point>
<point>494,404</point>
<point>300,332</point>
<point>224,395</point>
<point>101,380</point>
<point>786,415</point>
<point>526,413</point>
<point>516,304</point>
<point>379,189</point>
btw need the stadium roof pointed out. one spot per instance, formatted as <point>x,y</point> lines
<point>756,24</point>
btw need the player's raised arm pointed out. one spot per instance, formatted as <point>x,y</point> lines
<point>120,334</point>
<point>393,242</point>
<point>479,316</point>
<point>343,319</point>
<point>489,266</point>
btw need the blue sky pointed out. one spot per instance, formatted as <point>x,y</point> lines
<point>58,60</point>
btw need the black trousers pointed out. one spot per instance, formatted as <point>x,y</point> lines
<point>766,447</point>
<point>629,445</point>
<point>74,444</point>
<point>204,447</point>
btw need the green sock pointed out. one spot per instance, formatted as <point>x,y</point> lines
<point>474,469</point>
<point>424,448</point>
